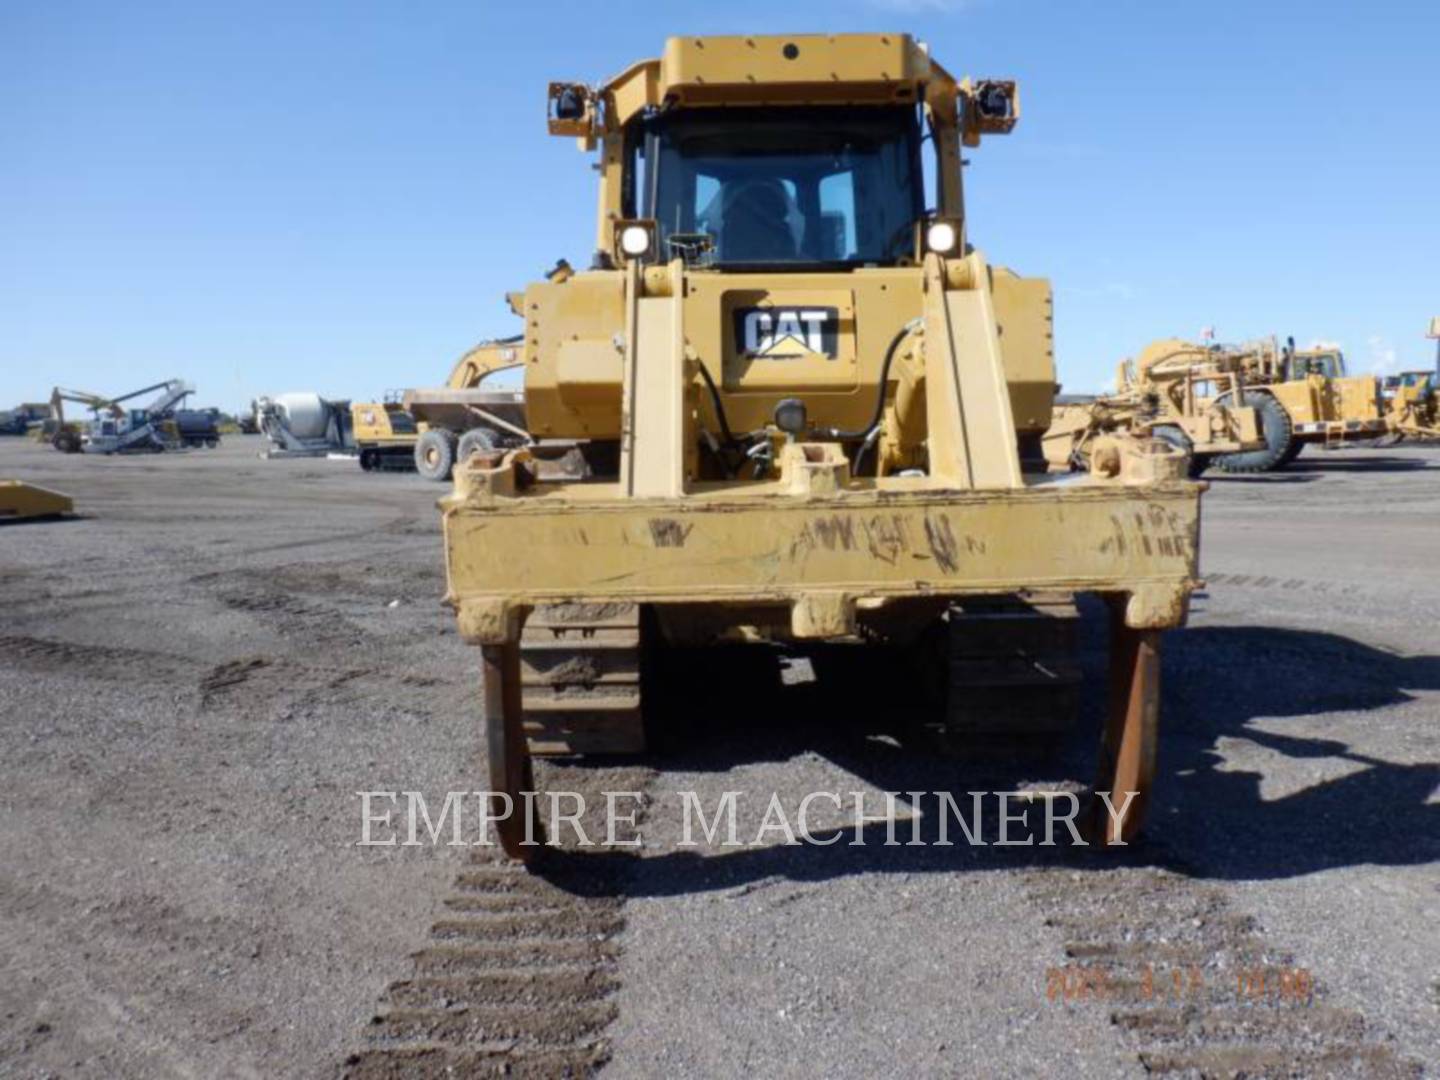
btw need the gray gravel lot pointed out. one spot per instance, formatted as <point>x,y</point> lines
<point>198,673</point>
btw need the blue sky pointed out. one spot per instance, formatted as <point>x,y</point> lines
<point>335,196</point>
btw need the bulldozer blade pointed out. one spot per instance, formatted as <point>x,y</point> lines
<point>21,500</point>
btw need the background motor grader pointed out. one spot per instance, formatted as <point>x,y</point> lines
<point>807,404</point>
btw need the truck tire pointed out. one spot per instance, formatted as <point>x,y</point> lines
<point>67,442</point>
<point>476,439</point>
<point>1195,464</point>
<point>435,455</point>
<point>1275,426</point>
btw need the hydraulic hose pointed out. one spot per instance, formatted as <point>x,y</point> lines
<point>731,443</point>
<point>719,405</point>
<point>869,429</point>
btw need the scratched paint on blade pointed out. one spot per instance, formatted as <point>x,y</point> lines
<point>942,542</point>
<point>667,532</point>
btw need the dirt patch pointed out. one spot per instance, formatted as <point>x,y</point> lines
<point>106,662</point>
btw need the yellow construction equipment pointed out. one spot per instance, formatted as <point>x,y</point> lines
<point>433,429</point>
<point>1411,399</point>
<point>818,402</point>
<point>1298,397</point>
<point>385,435</point>
<point>67,436</point>
<point>1318,402</point>
<point>462,417</point>
<point>1168,392</point>
<point>21,500</point>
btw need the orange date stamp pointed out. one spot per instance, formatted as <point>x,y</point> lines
<point>1159,984</point>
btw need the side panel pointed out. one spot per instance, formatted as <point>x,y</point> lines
<point>573,354</point>
<point>1023,309</point>
<point>1297,399</point>
<point>1357,398</point>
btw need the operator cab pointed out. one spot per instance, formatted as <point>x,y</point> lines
<point>778,187</point>
<point>1329,363</point>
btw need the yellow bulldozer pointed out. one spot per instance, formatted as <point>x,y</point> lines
<point>807,404</point>
<point>1167,392</point>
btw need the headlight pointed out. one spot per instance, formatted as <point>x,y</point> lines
<point>635,240</point>
<point>941,237</point>
<point>790,416</point>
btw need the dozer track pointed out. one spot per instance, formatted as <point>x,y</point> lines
<point>1012,669</point>
<point>580,680</point>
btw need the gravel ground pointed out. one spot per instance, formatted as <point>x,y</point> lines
<point>199,673</point>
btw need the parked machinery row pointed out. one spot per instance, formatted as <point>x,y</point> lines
<point>1187,394</point>
<point>1246,408</point>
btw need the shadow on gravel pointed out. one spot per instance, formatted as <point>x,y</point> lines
<point>36,522</point>
<point>1218,682</point>
<point>1215,475</point>
<point>1207,821</point>
<point>1379,463</point>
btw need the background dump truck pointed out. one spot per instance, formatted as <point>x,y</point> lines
<point>816,397</point>
<point>461,417</point>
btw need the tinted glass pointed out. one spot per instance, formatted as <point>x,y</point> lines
<point>775,186</point>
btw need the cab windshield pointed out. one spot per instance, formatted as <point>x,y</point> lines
<point>1329,364</point>
<point>774,186</point>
